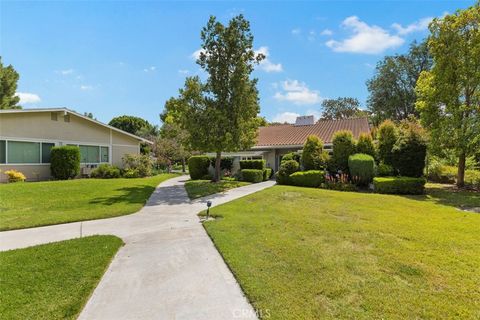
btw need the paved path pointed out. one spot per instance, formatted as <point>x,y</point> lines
<point>168,268</point>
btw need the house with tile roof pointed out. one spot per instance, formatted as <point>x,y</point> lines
<point>277,140</point>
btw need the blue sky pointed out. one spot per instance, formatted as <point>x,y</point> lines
<point>118,57</point>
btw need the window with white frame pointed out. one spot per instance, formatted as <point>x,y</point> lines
<point>93,154</point>
<point>25,152</point>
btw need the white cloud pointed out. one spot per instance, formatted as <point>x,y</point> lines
<point>183,71</point>
<point>86,87</point>
<point>26,97</point>
<point>298,93</point>
<point>296,31</point>
<point>419,25</point>
<point>66,72</point>
<point>289,117</point>
<point>365,39</point>
<point>326,32</point>
<point>196,55</point>
<point>267,65</point>
<point>150,69</point>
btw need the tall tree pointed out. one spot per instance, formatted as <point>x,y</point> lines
<point>341,108</point>
<point>449,95</point>
<point>392,88</point>
<point>130,124</point>
<point>8,87</point>
<point>220,114</point>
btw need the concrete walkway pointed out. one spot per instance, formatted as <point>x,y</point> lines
<point>168,268</point>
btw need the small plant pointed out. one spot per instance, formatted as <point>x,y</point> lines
<point>15,176</point>
<point>105,171</point>
<point>131,173</point>
<point>142,163</point>
<point>339,182</point>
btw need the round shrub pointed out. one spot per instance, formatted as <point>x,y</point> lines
<point>65,162</point>
<point>362,168</point>
<point>105,171</point>
<point>399,185</point>
<point>387,135</point>
<point>252,164</point>
<point>409,154</point>
<point>252,175</point>
<point>292,156</point>
<point>286,169</point>
<point>198,167</point>
<point>311,178</point>
<point>15,176</point>
<point>365,145</point>
<point>312,153</point>
<point>343,147</point>
<point>142,163</point>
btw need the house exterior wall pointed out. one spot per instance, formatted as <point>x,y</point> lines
<point>41,127</point>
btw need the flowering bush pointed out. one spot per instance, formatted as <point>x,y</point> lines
<point>340,182</point>
<point>15,176</point>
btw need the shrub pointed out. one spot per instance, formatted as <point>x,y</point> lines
<point>409,154</point>
<point>267,173</point>
<point>310,178</point>
<point>362,166</point>
<point>312,153</point>
<point>339,182</point>
<point>140,162</point>
<point>65,162</point>
<point>365,145</point>
<point>384,170</point>
<point>105,171</point>
<point>343,147</point>
<point>472,178</point>
<point>285,170</point>
<point>198,167</point>
<point>131,173</point>
<point>252,175</point>
<point>399,185</point>
<point>15,176</point>
<point>252,164</point>
<point>226,163</point>
<point>387,136</point>
<point>292,156</point>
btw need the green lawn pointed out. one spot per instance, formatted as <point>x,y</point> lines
<point>201,188</point>
<point>53,281</point>
<point>25,205</point>
<point>302,253</point>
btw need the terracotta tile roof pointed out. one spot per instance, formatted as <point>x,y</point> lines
<point>289,134</point>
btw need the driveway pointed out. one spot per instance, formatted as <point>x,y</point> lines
<point>168,268</point>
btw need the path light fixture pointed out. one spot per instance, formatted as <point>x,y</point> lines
<point>209,204</point>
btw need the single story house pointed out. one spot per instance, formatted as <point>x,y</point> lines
<point>27,135</point>
<point>276,140</point>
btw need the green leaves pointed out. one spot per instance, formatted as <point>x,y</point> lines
<point>8,87</point>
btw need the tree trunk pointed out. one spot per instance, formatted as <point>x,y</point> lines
<point>183,165</point>
<point>217,166</point>
<point>461,170</point>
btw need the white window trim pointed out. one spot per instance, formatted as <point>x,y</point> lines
<point>28,163</point>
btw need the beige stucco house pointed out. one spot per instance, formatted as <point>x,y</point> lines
<point>27,135</point>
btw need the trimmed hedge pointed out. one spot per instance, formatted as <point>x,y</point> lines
<point>312,153</point>
<point>399,185</point>
<point>105,171</point>
<point>65,162</point>
<point>343,145</point>
<point>252,164</point>
<point>365,145</point>
<point>409,153</point>
<point>267,173</point>
<point>286,169</point>
<point>252,175</point>
<point>198,167</point>
<point>310,178</point>
<point>384,170</point>
<point>362,167</point>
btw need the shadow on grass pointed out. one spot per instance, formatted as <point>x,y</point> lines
<point>449,195</point>
<point>138,194</point>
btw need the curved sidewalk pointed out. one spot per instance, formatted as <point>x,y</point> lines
<point>168,268</point>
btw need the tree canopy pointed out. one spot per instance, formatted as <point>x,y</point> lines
<point>220,113</point>
<point>8,87</point>
<point>449,94</point>
<point>341,108</point>
<point>131,124</point>
<point>392,88</point>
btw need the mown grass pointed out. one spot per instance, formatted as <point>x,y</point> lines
<point>302,253</point>
<point>53,281</point>
<point>201,188</point>
<point>33,204</point>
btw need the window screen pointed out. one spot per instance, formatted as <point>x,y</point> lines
<point>3,151</point>
<point>23,152</point>
<point>104,154</point>
<point>46,149</point>
<point>89,154</point>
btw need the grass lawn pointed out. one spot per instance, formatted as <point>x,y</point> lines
<point>201,188</point>
<point>302,253</point>
<point>33,204</point>
<point>53,281</point>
